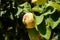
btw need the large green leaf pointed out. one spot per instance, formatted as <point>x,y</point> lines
<point>38,19</point>
<point>50,22</point>
<point>53,24</point>
<point>48,30</point>
<point>44,30</point>
<point>33,34</point>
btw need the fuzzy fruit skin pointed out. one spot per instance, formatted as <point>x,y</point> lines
<point>28,19</point>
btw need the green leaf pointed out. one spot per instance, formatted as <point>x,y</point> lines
<point>44,30</point>
<point>25,6</point>
<point>33,34</point>
<point>54,5</point>
<point>40,2</point>
<point>38,19</point>
<point>49,21</point>
<point>37,9</point>
<point>48,33</point>
<point>57,1</point>
<point>48,30</point>
<point>53,24</point>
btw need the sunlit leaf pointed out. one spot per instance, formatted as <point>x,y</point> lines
<point>52,23</point>
<point>37,9</point>
<point>55,24</point>
<point>44,30</point>
<point>49,21</point>
<point>55,5</point>
<point>38,19</point>
<point>41,2</point>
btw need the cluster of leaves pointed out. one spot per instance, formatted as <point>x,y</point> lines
<point>46,15</point>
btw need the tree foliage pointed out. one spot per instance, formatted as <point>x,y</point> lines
<point>46,20</point>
